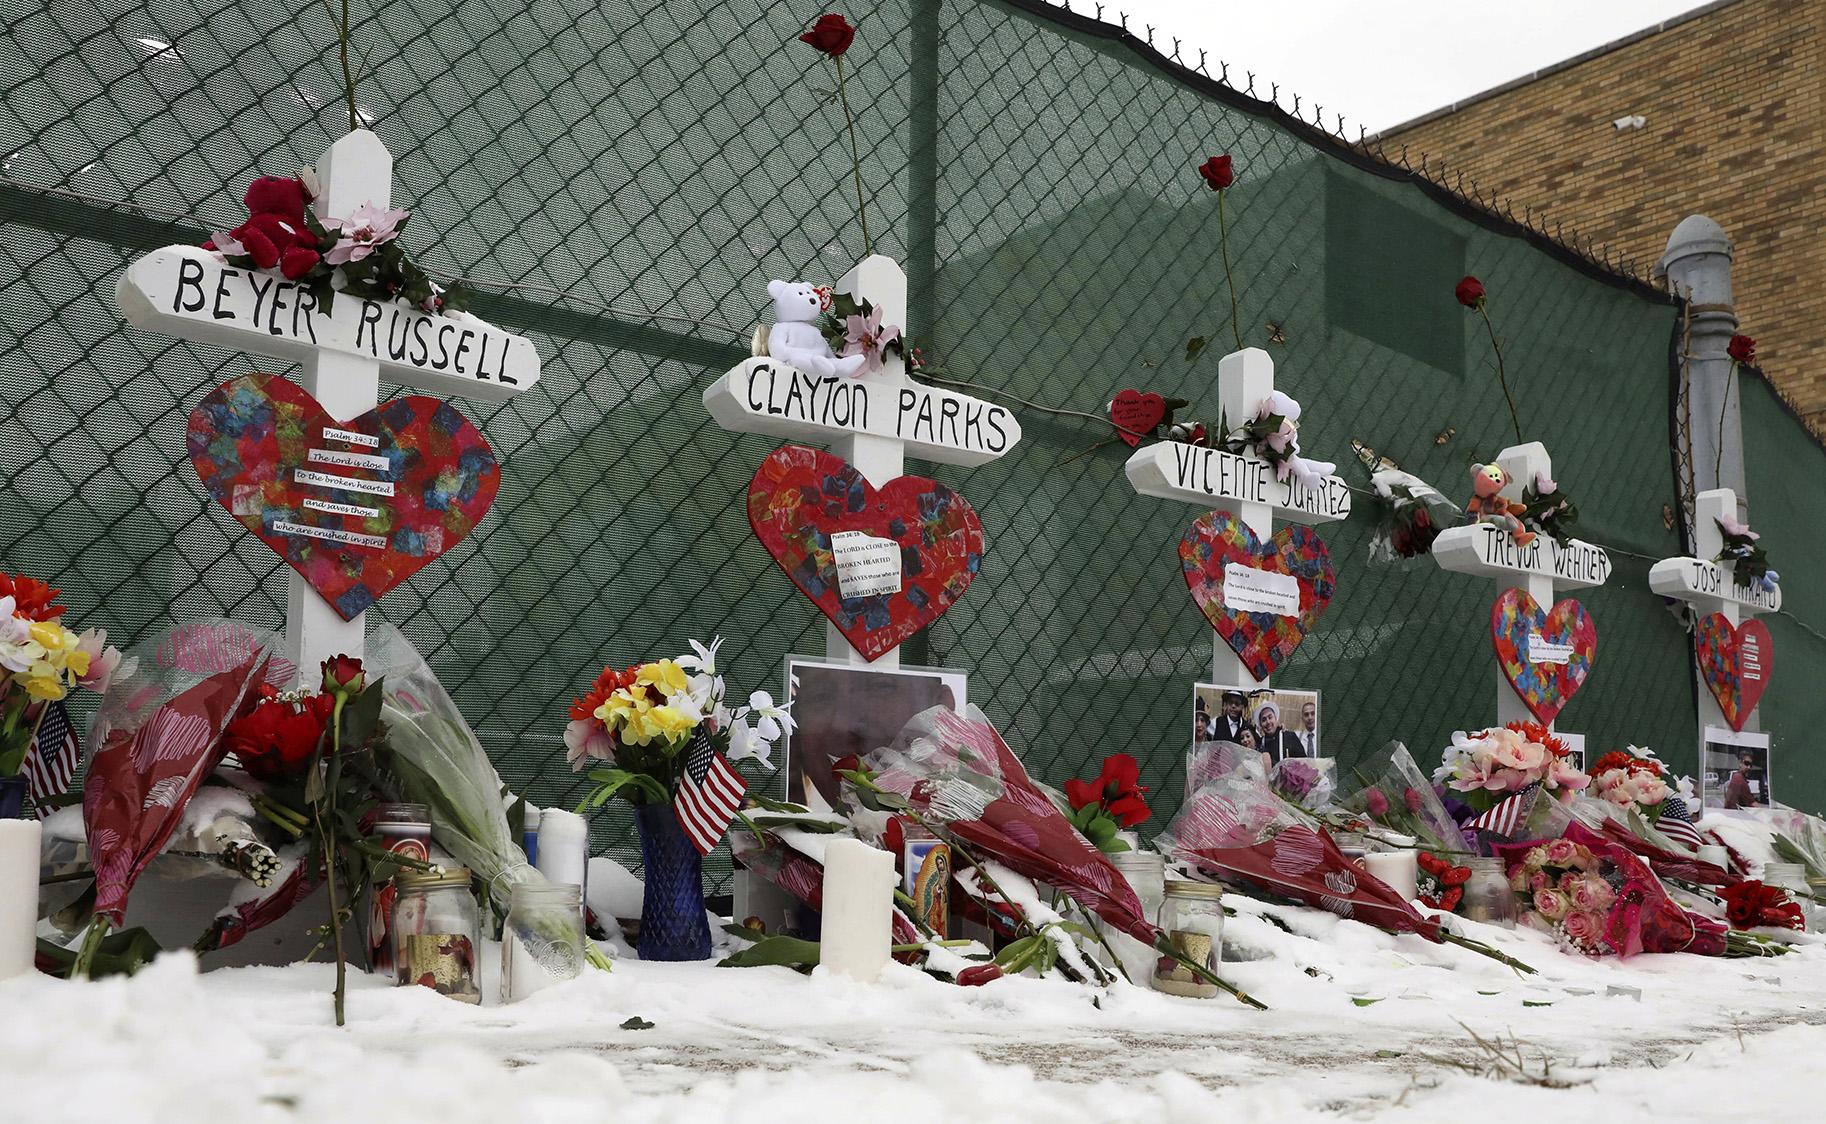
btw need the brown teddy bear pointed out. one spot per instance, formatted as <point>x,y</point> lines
<point>1488,505</point>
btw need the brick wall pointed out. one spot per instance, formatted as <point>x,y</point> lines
<point>1736,105</point>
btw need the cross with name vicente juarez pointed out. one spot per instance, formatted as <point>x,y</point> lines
<point>1241,483</point>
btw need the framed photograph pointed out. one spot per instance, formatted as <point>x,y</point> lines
<point>841,709</point>
<point>1576,744</point>
<point>1281,723</point>
<point>1734,769</point>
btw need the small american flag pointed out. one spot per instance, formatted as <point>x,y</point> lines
<point>50,764</point>
<point>1508,815</point>
<point>708,794</point>
<point>1677,825</point>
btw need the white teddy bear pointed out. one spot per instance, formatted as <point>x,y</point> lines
<point>794,337</point>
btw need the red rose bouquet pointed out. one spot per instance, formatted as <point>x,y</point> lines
<point>1112,803</point>
<point>1751,904</point>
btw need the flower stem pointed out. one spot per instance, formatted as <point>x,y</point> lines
<point>327,834</point>
<point>1223,240</point>
<point>348,86</point>
<point>1483,949</point>
<point>849,122</point>
<point>1501,375</point>
<point>84,966</point>
<point>1718,462</point>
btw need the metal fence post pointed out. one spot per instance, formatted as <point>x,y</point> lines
<point>1697,266</point>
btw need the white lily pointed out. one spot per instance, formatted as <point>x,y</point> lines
<point>703,660</point>
<point>773,722</point>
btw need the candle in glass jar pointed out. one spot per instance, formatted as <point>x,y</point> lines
<point>564,848</point>
<point>1399,869</point>
<point>859,885</point>
<point>19,851</point>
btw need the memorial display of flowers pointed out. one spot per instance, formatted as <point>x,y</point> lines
<point>359,253</point>
<point>1488,766</point>
<point>1750,561</point>
<point>637,721</point>
<point>1273,435</point>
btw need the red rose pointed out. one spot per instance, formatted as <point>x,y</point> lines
<point>832,34</point>
<point>1218,172</point>
<point>342,675</point>
<point>1470,292</point>
<point>298,261</point>
<point>1742,349</point>
<point>276,739</point>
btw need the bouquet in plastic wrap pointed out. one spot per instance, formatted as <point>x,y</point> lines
<point>437,761</point>
<point>955,775</point>
<point>1235,828</point>
<point>1551,819</point>
<point>157,735</point>
<point>1600,898</point>
<point>1391,792</point>
<point>1410,513</point>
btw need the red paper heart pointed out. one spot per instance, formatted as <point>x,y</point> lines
<point>1735,663</point>
<point>251,437</point>
<point>1260,639</point>
<point>800,497</point>
<point>1136,415</point>
<point>1545,686</point>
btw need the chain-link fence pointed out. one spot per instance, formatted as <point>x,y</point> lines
<point>622,181</point>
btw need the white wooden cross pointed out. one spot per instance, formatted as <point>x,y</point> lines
<point>872,421</point>
<point>192,293</point>
<point>1711,587</point>
<point>1541,568</point>
<point>1241,483</point>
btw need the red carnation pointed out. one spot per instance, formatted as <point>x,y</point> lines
<point>1470,292</point>
<point>276,739</point>
<point>32,599</point>
<point>1218,172</point>
<point>832,34</point>
<point>1742,349</point>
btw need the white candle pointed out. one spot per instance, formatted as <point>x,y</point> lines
<point>19,851</point>
<point>859,885</point>
<point>564,847</point>
<point>1400,869</point>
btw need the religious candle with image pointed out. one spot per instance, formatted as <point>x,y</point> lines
<point>925,872</point>
<point>402,829</point>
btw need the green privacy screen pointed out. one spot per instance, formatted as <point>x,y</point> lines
<point>623,184</point>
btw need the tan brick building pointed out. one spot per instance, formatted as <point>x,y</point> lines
<point>1732,105</point>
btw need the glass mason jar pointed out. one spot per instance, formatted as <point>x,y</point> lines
<point>404,829</point>
<point>542,938</point>
<point>1146,874</point>
<point>1193,917</point>
<point>1488,897</point>
<point>436,931</point>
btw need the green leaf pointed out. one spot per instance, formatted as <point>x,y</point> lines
<point>1195,345</point>
<point>122,953</point>
<point>361,717</point>
<point>1363,1002</point>
<point>743,932</point>
<point>1537,1003</point>
<point>777,951</point>
<point>635,1022</point>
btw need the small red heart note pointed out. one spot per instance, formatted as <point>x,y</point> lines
<point>799,498</point>
<point>1735,663</point>
<point>1546,656</point>
<point>1261,597</point>
<point>1136,414</point>
<point>356,507</point>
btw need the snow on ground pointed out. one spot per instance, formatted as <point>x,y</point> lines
<point>1707,1039</point>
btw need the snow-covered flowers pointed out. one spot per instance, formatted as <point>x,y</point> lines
<point>1488,766</point>
<point>636,722</point>
<point>1631,776</point>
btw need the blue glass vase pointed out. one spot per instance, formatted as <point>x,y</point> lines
<point>12,797</point>
<point>672,921</point>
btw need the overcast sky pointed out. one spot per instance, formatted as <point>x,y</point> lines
<point>1381,62</point>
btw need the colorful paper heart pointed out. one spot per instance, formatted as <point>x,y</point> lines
<point>800,497</point>
<point>1544,655</point>
<point>1219,546</point>
<point>355,506</point>
<point>1137,414</point>
<point>1735,663</point>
